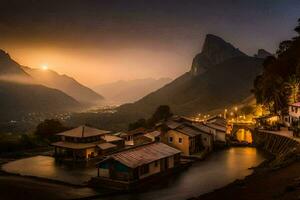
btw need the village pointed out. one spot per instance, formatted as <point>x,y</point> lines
<point>124,160</point>
<point>130,160</point>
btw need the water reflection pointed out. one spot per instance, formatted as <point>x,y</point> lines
<point>47,167</point>
<point>218,170</point>
<point>244,135</point>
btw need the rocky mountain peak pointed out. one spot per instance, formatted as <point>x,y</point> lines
<point>214,51</point>
<point>261,53</point>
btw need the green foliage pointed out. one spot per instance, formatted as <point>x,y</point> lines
<point>279,82</point>
<point>49,128</point>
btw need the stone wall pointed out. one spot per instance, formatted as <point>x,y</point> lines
<point>284,149</point>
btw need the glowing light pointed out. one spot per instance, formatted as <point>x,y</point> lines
<point>44,67</point>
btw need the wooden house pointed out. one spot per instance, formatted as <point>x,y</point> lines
<point>136,164</point>
<point>186,137</point>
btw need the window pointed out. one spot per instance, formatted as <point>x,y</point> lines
<point>170,139</point>
<point>144,169</point>
<point>180,140</point>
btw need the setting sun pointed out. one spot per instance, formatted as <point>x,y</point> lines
<point>44,67</point>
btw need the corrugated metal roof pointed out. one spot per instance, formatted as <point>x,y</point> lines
<point>216,126</point>
<point>83,131</point>
<point>144,154</point>
<point>203,128</point>
<point>188,131</point>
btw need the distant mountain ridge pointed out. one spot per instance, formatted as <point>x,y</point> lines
<point>220,76</point>
<point>67,84</point>
<point>20,94</point>
<point>130,91</point>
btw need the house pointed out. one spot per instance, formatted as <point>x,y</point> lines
<point>187,138</point>
<point>137,164</point>
<point>136,137</point>
<point>83,143</point>
<point>293,116</point>
<point>154,136</point>
<point>220,131</point>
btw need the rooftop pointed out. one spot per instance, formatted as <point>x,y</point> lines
<point>106,145</point>
<point>144,154</point>
<point>71,145</point>
<point>111,138</point>
<point>83,131</point>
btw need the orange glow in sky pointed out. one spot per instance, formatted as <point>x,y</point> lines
<point>93,66</point>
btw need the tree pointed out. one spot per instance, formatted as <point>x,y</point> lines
<point>280,78</point>
<point>139,123</point>
<point>162,113</point>
<point>49,128</point>
<point>292,86</point>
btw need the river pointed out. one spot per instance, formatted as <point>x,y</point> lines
<point>218,170</point>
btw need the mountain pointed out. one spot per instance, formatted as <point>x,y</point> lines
<point>20,94</point>
<point>67,84</point>
<point>220,76</point>
<point>215,50</point>
<point>130,91</point>
<point>261,53</point>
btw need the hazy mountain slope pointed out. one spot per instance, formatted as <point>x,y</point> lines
<point>66,84</point>
<point>220,85</point>
<point>130,91</point>
<point>19,95</point>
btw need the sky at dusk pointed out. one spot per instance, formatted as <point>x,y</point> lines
<point>100,41</point>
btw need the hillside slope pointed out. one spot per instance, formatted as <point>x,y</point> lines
<point>66,84</point>
<point>130,91</point>
<point>218,86</point>
<point>20,95</point>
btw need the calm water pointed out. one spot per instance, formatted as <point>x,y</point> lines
<point>47,167</point>
<point>218,170</point>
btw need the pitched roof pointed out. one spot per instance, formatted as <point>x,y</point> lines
<point>173,124</point>
<point>187,130</point>
<point>111,138</point>
<point>216,126</point>
<point>137,131</point>
<point>144,154</point>
<point>203,128</point>
<point>106,145</point>
<point>83,131</point>
<point>153,134</point>
<point>72,145</point>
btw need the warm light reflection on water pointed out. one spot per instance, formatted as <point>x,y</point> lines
<point>244,135</point>
<point>216,171</point>
<point>219,169</point>
<point>46,167</point>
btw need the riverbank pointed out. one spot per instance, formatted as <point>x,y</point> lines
<point>264,184</point>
